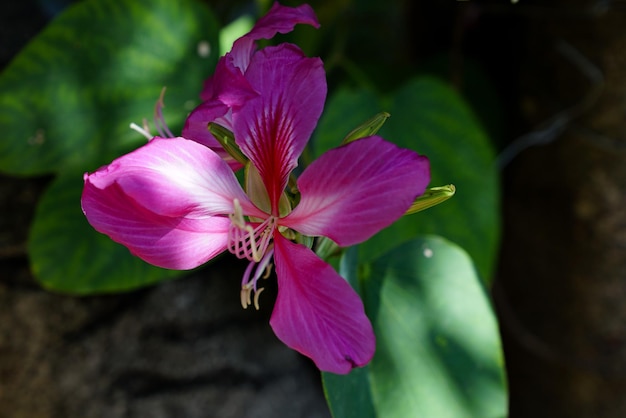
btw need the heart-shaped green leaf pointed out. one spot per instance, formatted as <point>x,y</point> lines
<point>438,349</point>
<point>68,98</point>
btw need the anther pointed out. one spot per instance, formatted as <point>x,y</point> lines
<point>253,273</point>
<point>246,291</point>
<point>268,271</point>
<point>256,297</point>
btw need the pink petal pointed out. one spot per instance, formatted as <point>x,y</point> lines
<point>273,129</point>
<point>279,19</point>
<point>317,312</point>
<point>352,192</point>
<point>196,125</point>
<point>229,85</point>
<point>168,242</point>
<point>174,177</point>
<point>196,128</point>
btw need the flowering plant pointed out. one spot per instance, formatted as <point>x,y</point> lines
<point>234,180</point>
<point>176,202</point>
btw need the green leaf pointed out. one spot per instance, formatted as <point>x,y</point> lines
<point>349,396</point>
<point>345,110</point>
<point>430,118</point>
<point>68,255</point>
<point>438,348</point>
<point>68,98</point>
<point>66,104</point>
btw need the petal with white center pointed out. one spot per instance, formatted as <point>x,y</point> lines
<point>175,177</point>
<point>169,242</point>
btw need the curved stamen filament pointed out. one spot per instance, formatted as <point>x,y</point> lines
<point>159,119</point>
<point>246,241</point>
<point>262,270</point>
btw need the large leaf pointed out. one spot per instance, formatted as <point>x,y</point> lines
<point>438,348</point>
<point>68,255</point>
<point>429,117</point>
<point>66,104</point>
<point>68,98</point>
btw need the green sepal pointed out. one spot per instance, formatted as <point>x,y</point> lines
<point>227,140</point>
<point>326,248</point>
<point>368,128</point>
<point>432,197</point>
<point>305,240</point>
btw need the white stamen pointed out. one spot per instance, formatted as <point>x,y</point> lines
<point>141,130</point>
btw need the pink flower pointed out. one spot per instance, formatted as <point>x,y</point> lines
<point>176,202</point>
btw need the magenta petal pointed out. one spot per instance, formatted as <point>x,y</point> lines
<point>174,177</point>
<point>317,312</point>
<point>352,192</point>
<point>229,85</point>
<point>168,242</point>
<point>196,128</point>
<point>279,19</point>
<point>196,125</point>
<point>273,129</point>
<point>282,19</point>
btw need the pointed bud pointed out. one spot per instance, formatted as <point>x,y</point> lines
<point>432,197</point>
<point>367,128</point>
<point>227,140</point>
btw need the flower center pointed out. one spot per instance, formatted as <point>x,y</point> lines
<point>249,240</point>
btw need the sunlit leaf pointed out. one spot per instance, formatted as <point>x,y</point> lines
<point>68,98</point>
<point>438,348</point>
<point>66,104</point>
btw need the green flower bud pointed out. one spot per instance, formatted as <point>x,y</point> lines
<point>367,128</point>
<point>432,197</point>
